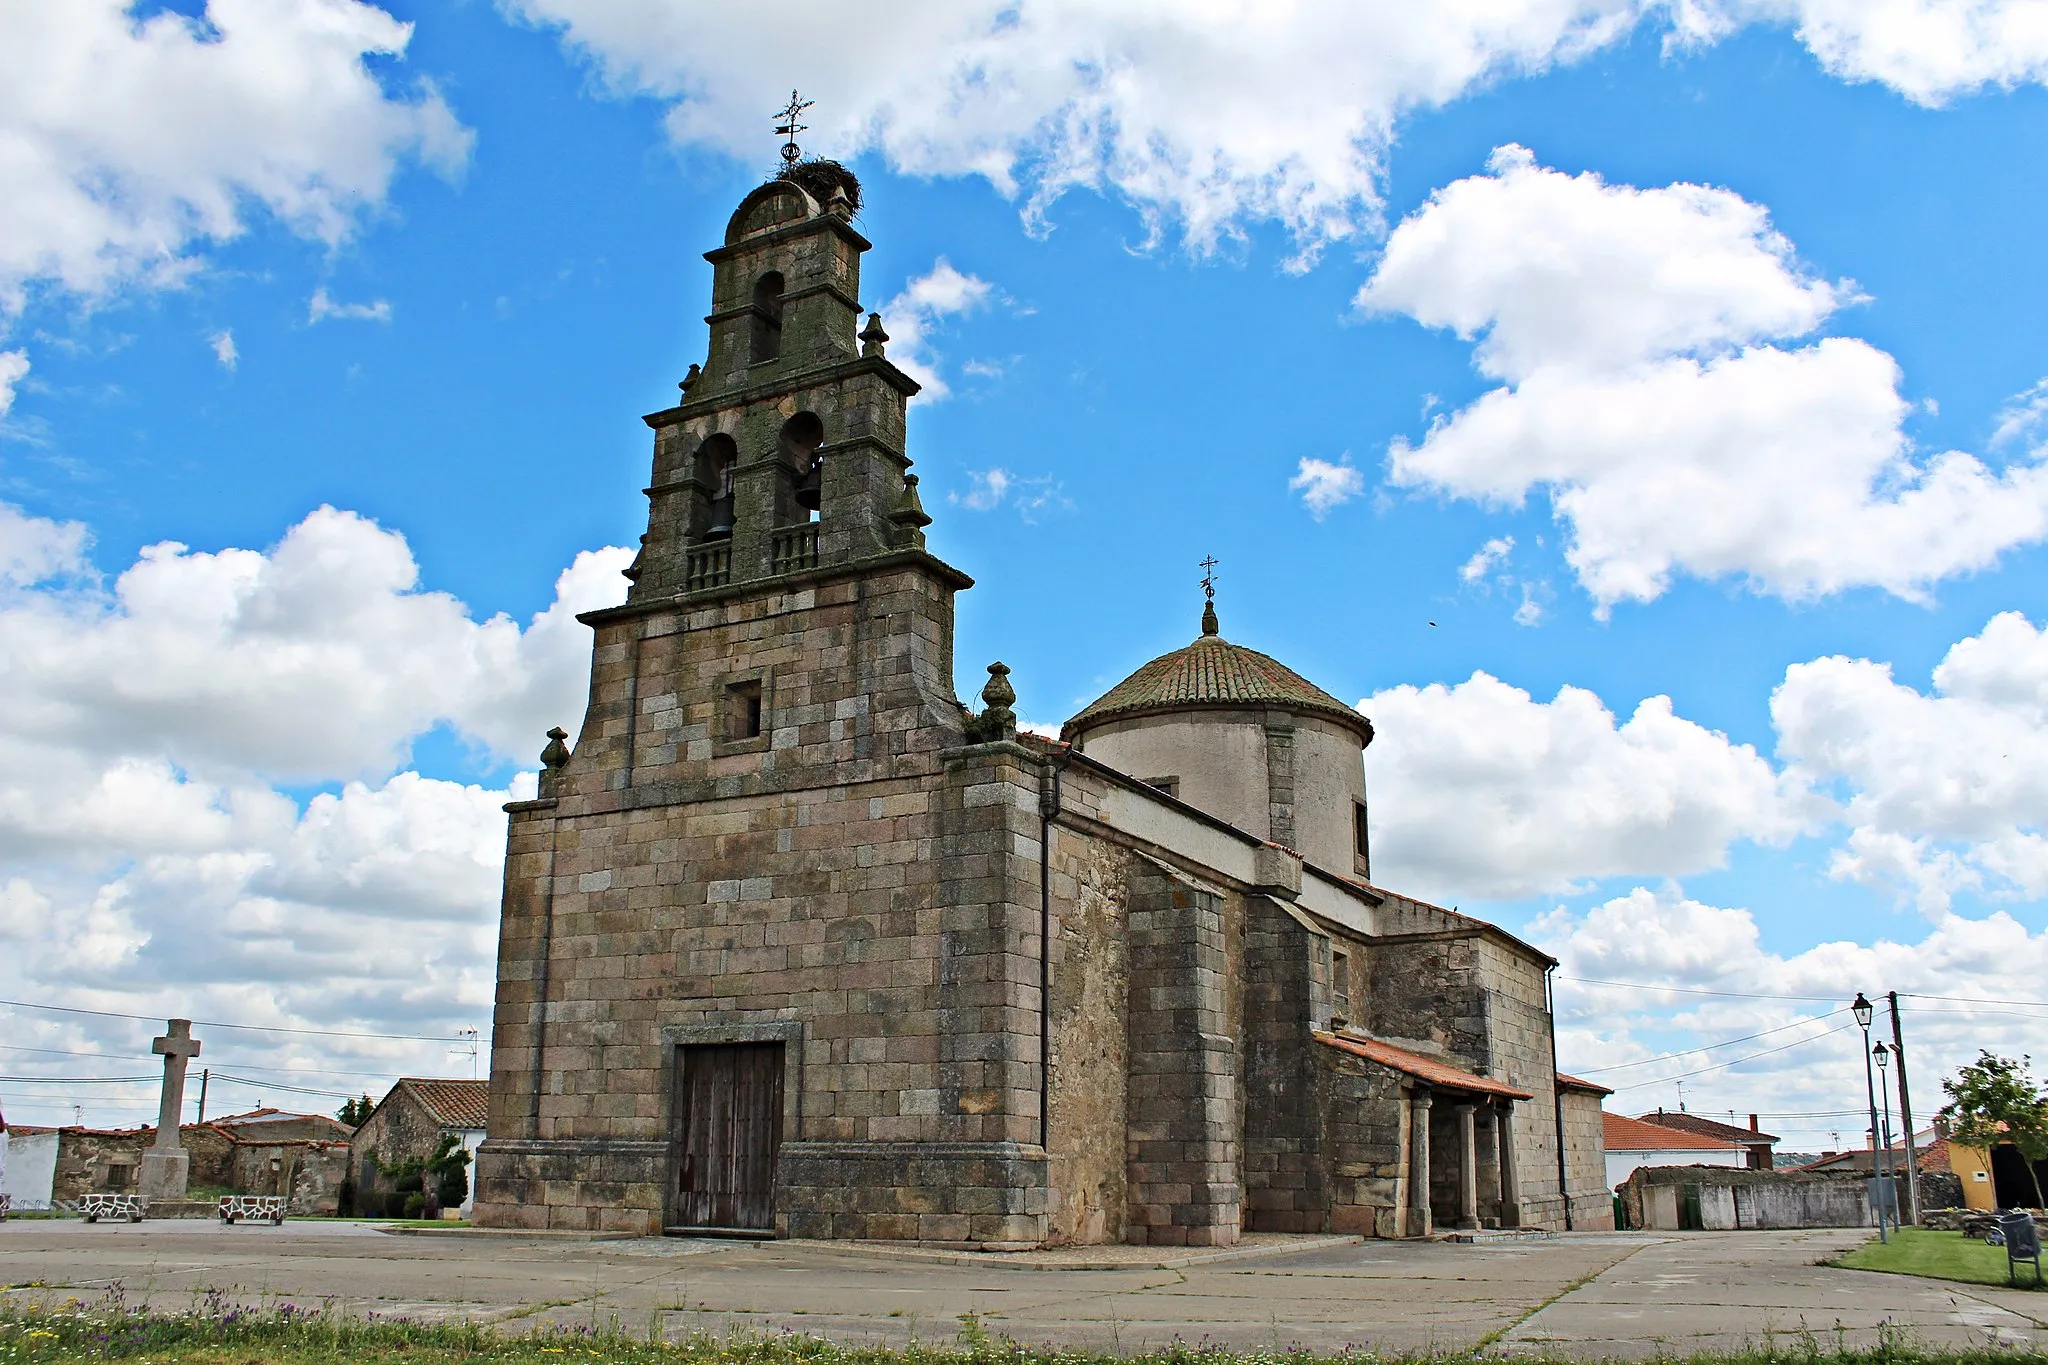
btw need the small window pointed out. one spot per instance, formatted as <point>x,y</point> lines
<point>118,1177</point>
<point>1361,841</point>
<point>1340,989</point>
<point>743,710</point>
<point>1169,785</point>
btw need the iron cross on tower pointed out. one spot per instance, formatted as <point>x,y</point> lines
<point>1208,567</point>
<point>789,127</point>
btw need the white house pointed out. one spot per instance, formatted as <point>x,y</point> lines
<point>1631,1143</point>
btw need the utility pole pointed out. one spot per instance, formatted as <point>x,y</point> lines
<point>1906,1116</point>
<point>205,1075</point>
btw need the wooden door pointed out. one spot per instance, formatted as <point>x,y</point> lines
<point>728,1128</point>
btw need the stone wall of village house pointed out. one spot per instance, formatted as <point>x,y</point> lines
<point>309,1174</point>
<point>108,1161</point>
<point>398,1130</point>
<point>856,882</point>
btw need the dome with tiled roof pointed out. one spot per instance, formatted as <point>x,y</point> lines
<point>1214,674</point>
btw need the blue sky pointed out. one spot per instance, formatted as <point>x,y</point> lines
<point>454,274</point>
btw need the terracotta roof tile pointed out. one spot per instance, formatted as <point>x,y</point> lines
<point>1574,1083</point>
<point>1212,673</point>
<point>453,1104</point>
<point>1625,1134</point>
<point>1693,1123</point>
<point>1437,1073</point>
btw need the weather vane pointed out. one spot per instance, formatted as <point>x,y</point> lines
<point>789,127</point>
<point>1208,565</point>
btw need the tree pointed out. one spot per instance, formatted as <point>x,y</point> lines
<point>449,1167</point>
<point>353,1112</point>
<point>1993,1100</point>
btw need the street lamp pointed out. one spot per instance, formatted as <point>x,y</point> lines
<point>1862,1010</point>
<point>1883,1056</point>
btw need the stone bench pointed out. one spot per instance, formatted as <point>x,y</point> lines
<point>6,1206</point>
<point>130,1207</point>
<point>263,1207</point>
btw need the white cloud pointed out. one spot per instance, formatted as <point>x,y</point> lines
<point>1202,117</point>
<point>153,862</point>
<point>13,368</point>
<point>1930,51</point>
<point>988,489</point>
<point>1486,559</point>
<point>2024,417</point>
<point>912,317</point>
<point>1324,485</point>
<point>1815,1085</point>
<point>1945,790</point>
<point>1632,331</point>
<point>324,307</point>
<point>1561,792</point>
<point>223,344</point>
<point>130,141</point>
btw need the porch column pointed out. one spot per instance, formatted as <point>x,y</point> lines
<point>1468,1167</point>
<point>1510,1180</point>
<point>1418,1164</point>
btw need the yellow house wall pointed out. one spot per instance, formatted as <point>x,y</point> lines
<point>1972,1166</point>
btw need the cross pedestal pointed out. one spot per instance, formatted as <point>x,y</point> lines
<point>166,1166</point>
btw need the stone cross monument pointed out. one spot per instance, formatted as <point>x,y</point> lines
<point>165,1166</point>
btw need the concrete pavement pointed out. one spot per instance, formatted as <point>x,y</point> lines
<point>1585,1296</point>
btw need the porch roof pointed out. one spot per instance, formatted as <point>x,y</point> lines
<point>1440,1075</point>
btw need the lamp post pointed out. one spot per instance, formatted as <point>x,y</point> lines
<point>1882,1055</point>
<point>1861,1008</point>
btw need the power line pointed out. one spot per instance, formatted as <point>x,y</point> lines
<point>1688,990</point>
<point>75,1080</point>
<point>1704,1047</point>
<point>1971,999</point>
<point>1723,1066</point>
<point>251,1028</point>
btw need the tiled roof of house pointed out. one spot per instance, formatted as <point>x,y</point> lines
<point>1693,1123</point>
<point>258,1118</point>
<point>1625,1134</point>
<point>1574,1083</point>
<point>453,1104</point>
<point>1430,1069</point>
<point>1212,673</point>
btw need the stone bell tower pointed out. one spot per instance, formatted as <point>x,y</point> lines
<point>787,451</point>
<point>764,954</point>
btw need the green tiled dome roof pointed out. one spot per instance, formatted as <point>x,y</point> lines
<point>1212,674</point>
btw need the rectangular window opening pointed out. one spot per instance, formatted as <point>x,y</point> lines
<point>1169,785</point>
<point>1340,989</point>
<point>743,710</point>
<point>1361,842</point>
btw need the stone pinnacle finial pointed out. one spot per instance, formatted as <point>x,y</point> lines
<point>998,721</point>
<point>872,336</point>
<point>689,381</point>
<point>552,760</point>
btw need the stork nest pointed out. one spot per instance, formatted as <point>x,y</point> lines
<point>819,176</point>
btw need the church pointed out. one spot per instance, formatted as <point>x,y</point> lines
<point>793,943</point>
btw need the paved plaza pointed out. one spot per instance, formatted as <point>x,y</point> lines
<point>1589,1295</point>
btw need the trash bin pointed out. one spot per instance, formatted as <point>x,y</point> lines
<point>2022,1243</point>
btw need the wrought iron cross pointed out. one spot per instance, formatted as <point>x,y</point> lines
<point>789,127</point>
<point>1209,564</point>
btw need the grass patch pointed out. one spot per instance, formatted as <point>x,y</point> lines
<point>1936,1255</point>
<point>217,1332</point>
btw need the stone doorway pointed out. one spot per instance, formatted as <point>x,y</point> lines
<point>727,1129</point>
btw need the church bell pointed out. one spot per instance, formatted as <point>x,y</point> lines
<point>721,518</point>
<point>810,487</point>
